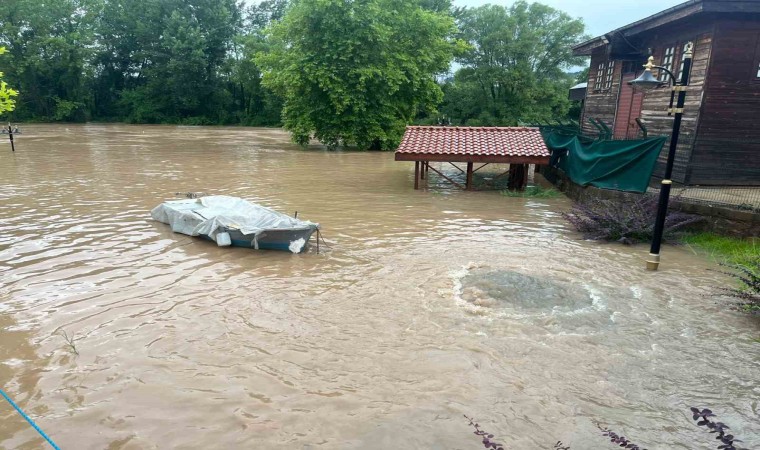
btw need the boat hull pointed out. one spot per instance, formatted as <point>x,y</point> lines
<point>272,239</point>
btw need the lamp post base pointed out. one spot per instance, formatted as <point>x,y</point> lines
<point>653,263</point>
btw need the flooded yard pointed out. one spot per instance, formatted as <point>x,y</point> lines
<point>428,305</point>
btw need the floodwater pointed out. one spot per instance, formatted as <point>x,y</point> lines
<point>428,305</point>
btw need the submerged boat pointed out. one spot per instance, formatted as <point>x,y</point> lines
<point>236,222</point>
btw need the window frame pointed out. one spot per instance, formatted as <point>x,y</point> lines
<point>604,76</point>
<point>599,76</point>
<point>668,61</point>
<point>609,75</point>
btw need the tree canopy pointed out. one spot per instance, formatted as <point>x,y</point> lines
<point>357,72</point>
<point>346,72</point>
<point>146,61</point>
<point>517,66</point>
<point>7,103</point>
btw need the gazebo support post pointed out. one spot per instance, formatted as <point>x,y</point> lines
<point>518,177</point>
<point>469,176</point>
<point>422,170</point>
<point>416,175</point>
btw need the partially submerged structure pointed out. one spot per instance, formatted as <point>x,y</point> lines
<point>232,221</point>
<point>517,146</point>
<point>720,140</point>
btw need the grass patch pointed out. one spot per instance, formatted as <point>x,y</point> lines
<point>725,249</point>
<point>742,256</point>
<point>535,191</point>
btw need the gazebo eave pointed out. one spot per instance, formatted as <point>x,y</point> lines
<point>494,159</point>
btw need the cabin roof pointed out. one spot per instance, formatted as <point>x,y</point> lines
<point>676,13</point>
<point>496,144</point>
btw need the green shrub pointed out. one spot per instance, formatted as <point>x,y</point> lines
<point>627,220</point>
<point>748,292</point>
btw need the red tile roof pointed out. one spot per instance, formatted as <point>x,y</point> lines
<point>473,141</point>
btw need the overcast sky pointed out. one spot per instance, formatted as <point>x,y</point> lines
<point>600,16</point>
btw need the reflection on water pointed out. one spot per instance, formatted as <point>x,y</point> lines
<point>429,305</point>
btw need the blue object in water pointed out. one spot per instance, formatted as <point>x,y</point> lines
<point>29,419</point>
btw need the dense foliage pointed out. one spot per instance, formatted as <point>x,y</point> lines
<point>517,67</point>
<point>147,61</point>
<point>356,73</point>
<point>349,72</point>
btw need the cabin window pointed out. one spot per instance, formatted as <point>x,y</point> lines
<point>599,77</point>
<point>608,77</point>
<point>604,74</point>
<point>667,62</point>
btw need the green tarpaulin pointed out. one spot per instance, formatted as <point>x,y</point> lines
<point>620,165</point>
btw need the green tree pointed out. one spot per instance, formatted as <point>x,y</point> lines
<point>253,103</point>
<point>356,72</point>
<point>516,68</point>
<point>7,103</point>
<point>582,76</point>
<point>160,60</point>
<point>49,48</point>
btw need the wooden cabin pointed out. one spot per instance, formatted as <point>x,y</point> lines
<point>719,142</point>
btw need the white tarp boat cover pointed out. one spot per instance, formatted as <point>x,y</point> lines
<point>212,214</point>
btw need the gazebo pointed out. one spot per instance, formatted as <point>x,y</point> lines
<point>517,146</point>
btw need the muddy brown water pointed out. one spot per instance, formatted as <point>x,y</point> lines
<point>429,305</point>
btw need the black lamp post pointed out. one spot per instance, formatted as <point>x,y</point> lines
<point>648,81</point>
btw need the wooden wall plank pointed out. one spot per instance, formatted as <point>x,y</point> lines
<point>727,149</point>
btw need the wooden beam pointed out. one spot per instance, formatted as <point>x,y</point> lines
<point>456,167</point>
<point>585,48</point>
<point>448,179</point>
<point>416,175</point>
<point>481,167</point>
<point>662,18</point>
<point>469,176</point>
